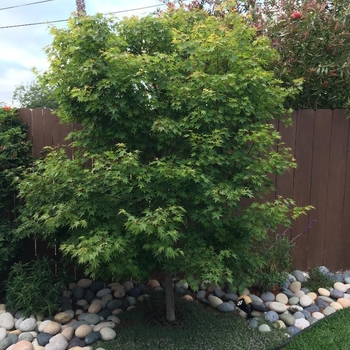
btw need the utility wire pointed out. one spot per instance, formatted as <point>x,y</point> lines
<point>64,20</point>
<point>31,3</point>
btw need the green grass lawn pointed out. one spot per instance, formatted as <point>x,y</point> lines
<point>202,328</point>
<point>330,333</point>
<point>197,328</point>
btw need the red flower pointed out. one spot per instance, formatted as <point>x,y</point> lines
<point>296,15</point>
<point>7,108</point>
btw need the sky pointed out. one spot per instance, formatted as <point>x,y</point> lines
<point>21,47</point>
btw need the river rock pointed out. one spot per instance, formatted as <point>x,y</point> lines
<point>344,302</point>
<point>102,325</point>
<point>271,316</point>
<point>288,293</point>
<point>328,300</point>
<point>95,307</point>
<point>324,292</point>
<point>62,317</point>
<point>340,286</point>
<point>268,296</point>
<point>84,283</point>
<point>3,333</point>
<point>312,308</point>
<point>107,334</point>
<point>299,314</point>
<point>231,297</point>
<point>294,308</point>
<point>295,286</point>
<point>288,319</point>
<point>92,338</point>
<point>277,307</point>
<point>153,284</point>
<point>282,298</point>
<point>214,301</point>
<point>78,292</point>
<point>44,338</point>
<point>293,301</point>
<point>76,342</point>
<point>97,286</point>
<point>128,285</point>
<point>299,293</point>
<point>299,275</point>
<point>312,295</point>
<point>22,345</point>
<point>305,301</point>
<point>292,330</point>
<point>92,318</point>
<point>105,291</point>
<point>52,328</point>
<point>226,307</point>
<point>7,321</point>
<point>26,336</point>
<point>336,305</point>
<point>301,323</point>
<point>336,294</point>
<point>264,328</point>
<point>324,270</point>
<point>328,311</point>
<point>83,330</point>
<point>135,292</point>
<point>68,333</point>
<point>318,315</point>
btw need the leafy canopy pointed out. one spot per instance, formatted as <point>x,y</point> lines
<point>175,112</point>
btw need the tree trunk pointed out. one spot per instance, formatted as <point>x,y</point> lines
<point>169,298</point>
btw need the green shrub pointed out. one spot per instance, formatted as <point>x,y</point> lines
<point>318,279</point>
<point>35,287</point>
<point>14,157</point>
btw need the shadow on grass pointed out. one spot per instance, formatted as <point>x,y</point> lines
<point>197,328</point>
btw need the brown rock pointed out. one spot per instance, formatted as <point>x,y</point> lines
<point>22,345</point>
<point>84,283</point>
<point>62,317</point>
<point>52,328</point>
<point>295,286</point>
<point>119,291</point>
<point>153,284</point>
<point>94,308</point>
<point>344,302</point>
<point>83,330</point>
<point>68,333</point>
<point>187,297</point>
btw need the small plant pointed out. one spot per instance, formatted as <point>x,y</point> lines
<point>34,287</point>
<point>318,279</point>
<point>276,253</point>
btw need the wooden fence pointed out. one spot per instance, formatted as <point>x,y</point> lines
<point>320,143</point>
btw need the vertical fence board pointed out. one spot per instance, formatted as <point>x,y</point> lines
<point>26,115</point>
<point>285,182</point>
<point>319,184</point>
<point>336,183</point>
<point>48,127</point>
<point>38,134</point>
<point>336,187</point>
<point>302,178</point>
<point>345,236</point>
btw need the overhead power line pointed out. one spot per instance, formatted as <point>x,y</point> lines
<point>31,3</point>
<point>64,20</point>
